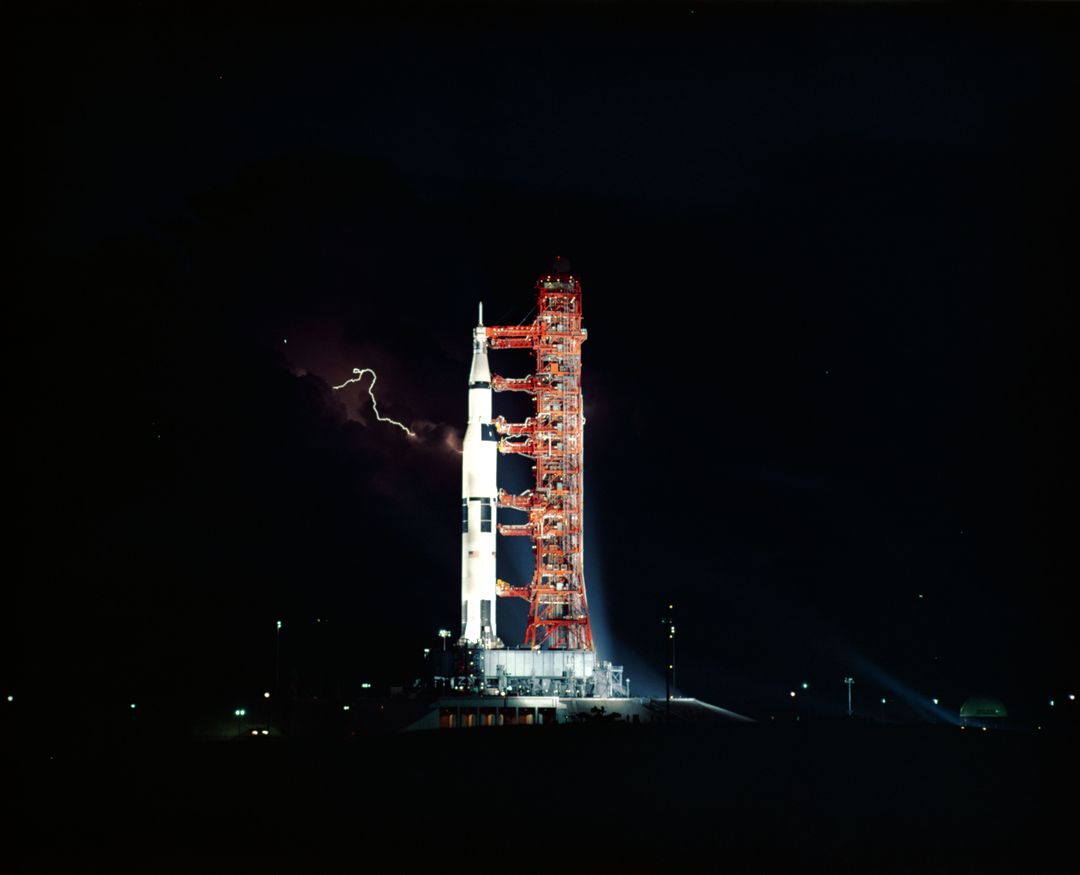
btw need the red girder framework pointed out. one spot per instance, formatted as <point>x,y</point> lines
<point>553,439</point>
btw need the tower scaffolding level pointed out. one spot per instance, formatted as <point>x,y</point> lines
<point>553,438</point>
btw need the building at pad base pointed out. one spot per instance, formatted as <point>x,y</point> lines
<point>467,712</point>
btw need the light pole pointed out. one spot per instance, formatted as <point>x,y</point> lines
<point>444,634</point>
<point>273,702</point>
<point>277,665</point>
<point>239,712</point>
<point>850,682</point>
<point>669,621</point>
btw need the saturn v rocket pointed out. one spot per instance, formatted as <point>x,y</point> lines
<point>479,496</point>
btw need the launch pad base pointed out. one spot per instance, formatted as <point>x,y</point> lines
<point>467,712</point>
<point>559,673</point>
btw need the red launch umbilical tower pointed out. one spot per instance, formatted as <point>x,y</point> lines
<point>553,439</point>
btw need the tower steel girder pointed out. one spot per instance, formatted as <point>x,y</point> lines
<point>513,384</point>
<point>553,438</point>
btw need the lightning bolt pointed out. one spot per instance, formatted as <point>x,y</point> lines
<point>359,375</point>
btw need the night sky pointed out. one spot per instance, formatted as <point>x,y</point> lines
<point>829,266</point>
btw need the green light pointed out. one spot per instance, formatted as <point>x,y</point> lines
<point>365,686</point>
<point>805,685</point>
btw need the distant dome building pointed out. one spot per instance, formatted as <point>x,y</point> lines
<point>980,708</point>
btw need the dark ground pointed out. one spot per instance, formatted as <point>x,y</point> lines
<point>829,797</point>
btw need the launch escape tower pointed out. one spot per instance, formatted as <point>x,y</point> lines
<point>553,439</point>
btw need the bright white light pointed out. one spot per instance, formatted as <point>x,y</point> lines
<point>266,695</point>
<point>935,701</point>
<point>805,685</point>
<point>1072,697</point>
<point>1051,703</point>
<point>279,624</point>
<point>344,707</point>
<point>254,731</point>
<point>371,393</point>
<point>792,694</point>
<point>266,732</point>
<point>132,704</point>
<point>365,686</point>
<point>11,698</point>
<point>882,701</point>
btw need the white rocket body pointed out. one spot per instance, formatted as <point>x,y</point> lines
<point>479,494</point>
